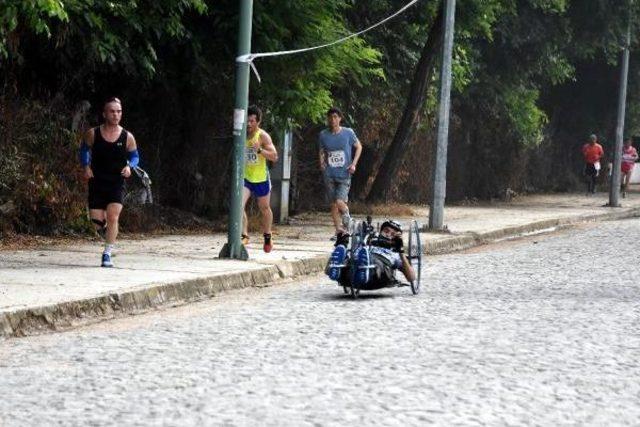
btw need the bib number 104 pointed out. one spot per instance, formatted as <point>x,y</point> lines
<point>336,159</point>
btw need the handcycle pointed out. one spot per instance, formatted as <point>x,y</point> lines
<point>362,234</point>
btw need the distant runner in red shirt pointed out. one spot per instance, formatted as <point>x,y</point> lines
<point>592,152</point>
<point>629,157</point>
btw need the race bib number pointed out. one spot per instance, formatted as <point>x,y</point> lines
<point>336,159</point>
<point>251,156</point>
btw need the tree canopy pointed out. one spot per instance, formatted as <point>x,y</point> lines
<point>532,78</point>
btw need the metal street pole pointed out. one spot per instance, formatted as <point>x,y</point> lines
<point>234,247</point>
<point>439,181</point>
<point>614,189</point>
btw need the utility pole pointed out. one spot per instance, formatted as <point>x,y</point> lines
<point>234,247</point>
<point>614,189</point>
<point>439,181</point>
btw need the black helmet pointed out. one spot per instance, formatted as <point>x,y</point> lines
<point>392,224</point>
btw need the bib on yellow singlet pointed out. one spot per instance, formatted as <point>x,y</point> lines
<point>255,168</point>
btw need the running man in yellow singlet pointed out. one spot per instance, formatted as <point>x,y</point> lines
<point>258,149</point>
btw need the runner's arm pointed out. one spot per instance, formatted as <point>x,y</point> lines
<point>133,157</point>
<point>89,137</point>
<point>356,156</point>
<point>85,153</point>
<point>267,149</point>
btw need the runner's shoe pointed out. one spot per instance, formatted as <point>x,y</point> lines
<point>245,239</point>
<point>336,262</point>
<point>268,244</point>
<point>106,260</point>
<point>362,266</point>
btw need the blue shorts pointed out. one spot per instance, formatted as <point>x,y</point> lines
<point>258,189</point>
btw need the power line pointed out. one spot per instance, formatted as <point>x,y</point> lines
<point>249,58</point>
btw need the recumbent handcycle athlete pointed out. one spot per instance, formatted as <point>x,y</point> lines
<point>375,262</point>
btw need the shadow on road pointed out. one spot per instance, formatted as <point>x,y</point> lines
<point>339,295</point>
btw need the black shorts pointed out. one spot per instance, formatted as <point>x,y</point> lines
<point>102,193</point>
<point>590,170</point>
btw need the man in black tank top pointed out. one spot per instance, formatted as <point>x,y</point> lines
<point>108,152</point>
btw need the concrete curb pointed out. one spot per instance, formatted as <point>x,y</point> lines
<point>461,242</point>
<point>66,315</point>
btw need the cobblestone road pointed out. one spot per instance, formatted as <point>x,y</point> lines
<point>528,333</point>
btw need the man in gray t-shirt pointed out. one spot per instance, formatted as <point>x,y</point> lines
<point>338,163</point>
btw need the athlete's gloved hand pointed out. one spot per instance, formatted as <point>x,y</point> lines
<point>398,244</point>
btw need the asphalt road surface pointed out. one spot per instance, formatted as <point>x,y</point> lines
<point>542,331</point>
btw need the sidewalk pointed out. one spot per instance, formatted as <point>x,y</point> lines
<point>54,288</point>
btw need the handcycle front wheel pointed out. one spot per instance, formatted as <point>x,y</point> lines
<point>415,255</point>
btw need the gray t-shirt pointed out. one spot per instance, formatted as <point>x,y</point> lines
<point>338,149</point>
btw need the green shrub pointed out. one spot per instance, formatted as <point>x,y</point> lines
<point>40,182</point>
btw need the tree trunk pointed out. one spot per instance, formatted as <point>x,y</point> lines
<point>381,187</point>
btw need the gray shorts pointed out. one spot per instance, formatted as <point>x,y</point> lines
<point>337,188</point>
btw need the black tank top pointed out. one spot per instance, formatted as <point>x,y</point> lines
<point>108,158</point>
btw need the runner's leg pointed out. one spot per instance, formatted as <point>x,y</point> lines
<point>342,197</point>
<point>591,178</point>
<point>98,219</point>
<point>98,202</point>
<point>588,182</point>
<point>343,209</point>
<point>587,175</point>
<point>626,177</point>
<point>264,203</point>
<point>113,216</point>
<point>267,220</point>
<point>246,194</point>
<point>335,216</point>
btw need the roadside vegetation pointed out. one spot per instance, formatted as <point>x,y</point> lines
<point>532,79</point>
